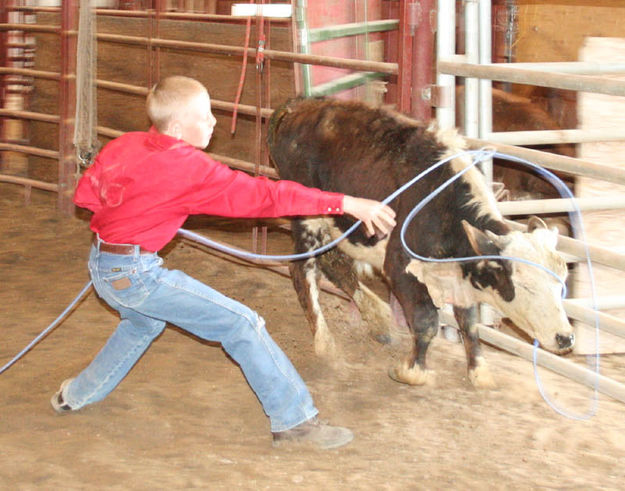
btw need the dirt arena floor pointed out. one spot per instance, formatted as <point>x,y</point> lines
<point>185,418</point>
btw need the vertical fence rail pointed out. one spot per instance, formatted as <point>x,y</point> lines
<point>485,114</point>
<point>4,18</point>
<point>446,47</point>
<point>423,53</point>
<point>67,106</point>
<point>471,86</point>
<point>153,52</point>
<point>405,58</point>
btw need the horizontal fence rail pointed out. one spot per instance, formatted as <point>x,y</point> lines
<point>556,162</point>
<point>551,137</point>
<point>23,181</point>
<point>541,206</point>
<point>364,65</point>
<point>154,13</point>
<point>30,73</point>
<point>555,363</point>
<point>579,67</point>
<point>587,315</point>
<point>598,254</point>
<point>353,29</point>
<point>508,72</point>
<point>40,152</point>
<point>331,61</point>
<point>32,28</point>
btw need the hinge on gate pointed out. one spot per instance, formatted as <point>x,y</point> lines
<point>438,95</point>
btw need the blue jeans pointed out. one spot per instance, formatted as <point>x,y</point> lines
<point>147,296</point>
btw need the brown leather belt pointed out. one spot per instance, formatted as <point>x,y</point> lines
<point>123,249</point>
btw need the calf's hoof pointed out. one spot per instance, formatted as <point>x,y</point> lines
<point>411,375</point>
<point>324,344</point>
<point>391,336</point>
<point>382,337</point>
<point>480,376</point>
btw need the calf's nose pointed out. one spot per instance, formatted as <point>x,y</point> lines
<point>565,342</point>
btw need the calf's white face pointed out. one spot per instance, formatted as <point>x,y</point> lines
<point>536,306</point>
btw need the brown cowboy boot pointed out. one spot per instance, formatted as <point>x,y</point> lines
<point>316,432</point>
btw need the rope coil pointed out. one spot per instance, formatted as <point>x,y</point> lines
<point>86,117</point>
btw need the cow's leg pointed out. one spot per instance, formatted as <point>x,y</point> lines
<point>304,275</point>
<point>338,267</point>
<point>309,235</point>
<point>478,371</point>
<point>422,317</point>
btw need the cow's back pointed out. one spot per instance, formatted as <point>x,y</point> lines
<point>348,147</point>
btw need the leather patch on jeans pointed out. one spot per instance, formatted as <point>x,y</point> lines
<point>121,284</point>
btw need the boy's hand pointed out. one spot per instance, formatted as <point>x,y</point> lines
<point>373,214</point>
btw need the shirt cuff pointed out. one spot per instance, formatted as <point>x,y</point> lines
<point>333,204</point>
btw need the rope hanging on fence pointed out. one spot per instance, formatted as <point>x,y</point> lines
<point>260,60</point>
<point>86,118</point>
<point>237,99</point>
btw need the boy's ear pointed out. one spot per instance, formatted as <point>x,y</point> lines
<point>174,128</point>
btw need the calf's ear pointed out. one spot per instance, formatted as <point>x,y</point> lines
<point>549,236</point>
<point>535,223</point>
<point>480,242</point>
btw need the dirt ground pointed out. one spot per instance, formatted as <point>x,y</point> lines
<point>185,418</point>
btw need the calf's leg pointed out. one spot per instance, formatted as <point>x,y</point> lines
<point>478,371</point>
<point>309,235</point>
<point>304,275</point>
<point>338,267</point>
<point>422,317</point>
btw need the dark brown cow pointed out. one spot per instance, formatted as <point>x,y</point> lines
<point>351,148</point>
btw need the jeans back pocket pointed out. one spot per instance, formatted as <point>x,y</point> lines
<point>127,288</point>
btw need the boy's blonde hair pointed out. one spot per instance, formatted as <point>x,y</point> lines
<point>169,97</point>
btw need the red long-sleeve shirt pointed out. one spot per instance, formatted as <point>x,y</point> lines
<point>143,186</point>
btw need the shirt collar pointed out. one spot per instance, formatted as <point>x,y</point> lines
<point>163,141</point>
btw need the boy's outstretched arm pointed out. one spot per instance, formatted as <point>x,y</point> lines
<point>373,214</point>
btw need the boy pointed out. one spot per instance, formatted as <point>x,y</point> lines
<point>141,188</point>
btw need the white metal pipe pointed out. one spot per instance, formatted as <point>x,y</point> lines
<point>578,67</point>
<point>603,303</point>
<point>539,206</point>
<point>598,254</point>
<point>485,117</point>
<point>607,322</point>
<point>561,163</point>
<point>557,364</point>
<point>471,85</point>
<point>508,72</point>
<point>551,137</point>
<point>445,47</point>
<point>301,9</point>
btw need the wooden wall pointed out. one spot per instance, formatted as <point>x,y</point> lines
<point>554,30</point>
